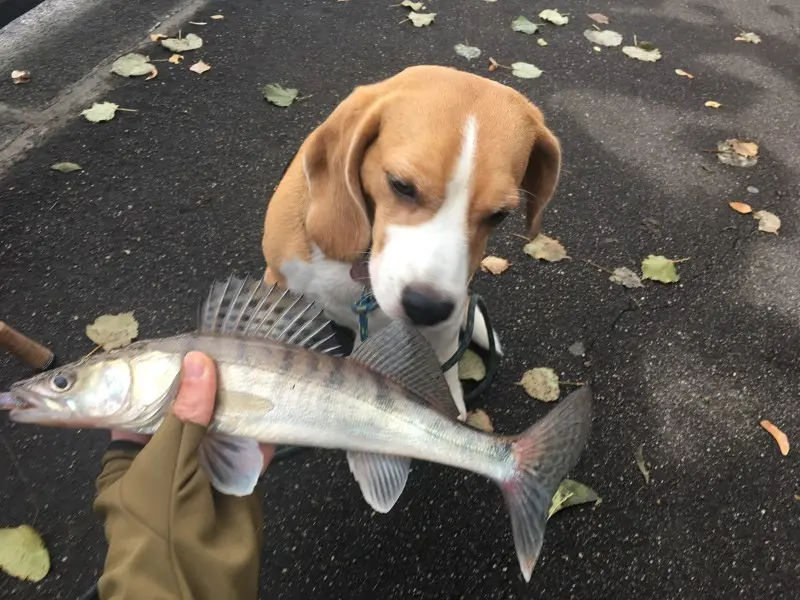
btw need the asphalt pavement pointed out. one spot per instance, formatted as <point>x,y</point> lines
<point>173,196</point>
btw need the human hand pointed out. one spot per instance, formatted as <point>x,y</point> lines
<point>194,402</point>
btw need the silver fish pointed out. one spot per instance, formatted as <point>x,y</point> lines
<point>281,382</point>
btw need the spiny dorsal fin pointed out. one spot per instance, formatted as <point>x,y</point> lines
<point>399,352</point>
<point>251,308</point>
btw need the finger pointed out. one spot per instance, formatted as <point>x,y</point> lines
<point>198,390</point>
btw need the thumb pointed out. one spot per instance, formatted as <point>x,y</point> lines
<point>198,390</point>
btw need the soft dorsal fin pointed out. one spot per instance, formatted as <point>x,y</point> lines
<point>250,308</point>
<point>401,353</point>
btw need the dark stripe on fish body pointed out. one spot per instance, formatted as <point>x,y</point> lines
<point>287,362</point>
<point>381,389</point>
<point>335,376</point>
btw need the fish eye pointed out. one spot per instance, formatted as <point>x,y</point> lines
<point>61,383</point>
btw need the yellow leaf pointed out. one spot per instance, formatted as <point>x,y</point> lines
<point>175,58</point>
<point>217,17</point>
<point>541,383</point>
<point>546,248</point>
<point>747,149</point>
<point>153,73</point>
<point>200,67</point>
<point>23,554</point>
<point>113,331</point>
<point>683,73</point>
<point>741,207</point>
<point>713,104</point>
<point>154,37</point>
<point>494,265</point>
<point>471,367</point>
<point>767,222</point>
<point>480,420</point>
<point>780,437</point>
<point>748,37</point>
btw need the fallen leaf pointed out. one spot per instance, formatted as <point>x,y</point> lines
<point>604,38</point>
<point>20,77</point>
<point>278,95</point>
<point>197,23</point>
<point>493,64</point>
<point>712,104</point>
<point>113,331</point>
<point>541,383</point>
<point>471,367</point>
<point>153,73</point>
<point>597,48</point>
<point>780,437</point>
<point>659,268</point>
<point>494,264</point>
<point>175,59</point>
<point>642,54</point>
<point>748,37</point>
<point>66,167</point>
<point>577,349</point>
<point>541,41</point>
<point>190,42</point>
<point>727,154</point>
<point>751,189</point>
<point>217,17</point>
<point>155,37</point>
<point>748,149</point>
<point>200,67</point>
<point>767,221</point>
<point>421,19</point>
<point>100,111</point>
<point>132,65</point>
<point>554,17</point>
<point>468,52</point>
<point>598,18</point>
<point>417,6</point>
<point>624,276</point>
<point>23,554</point>
<point>523,25</point>
<point>572,493</point>
<point>683,73</point>
<point>797,496</point>
<point>525,70</point>
<point>741,207</point>
<point>480,420</point>
<point>639,455</point>
<point>546,248</point>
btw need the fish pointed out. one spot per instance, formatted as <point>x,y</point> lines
<point>283,380</point>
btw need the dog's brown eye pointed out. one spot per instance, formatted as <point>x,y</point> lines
<point>495,219</point>
<point>403,189</point>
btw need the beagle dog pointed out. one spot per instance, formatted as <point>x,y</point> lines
<point>399,189</point>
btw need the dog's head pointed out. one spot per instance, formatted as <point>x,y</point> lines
<point>424,165</point>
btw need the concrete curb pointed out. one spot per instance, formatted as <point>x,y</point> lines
<point>69,45</point>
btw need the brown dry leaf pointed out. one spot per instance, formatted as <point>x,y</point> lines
<point>747,149</point>
<point>492,64</point>
<point>200,67</point>
<point>153,73</point>
<point>683,73</point>
<point>154,37</point>
<point>546,248</point>
<point>741,207</point>
<point>494,265</point>
<point>175,59</point>
<point>780,437</point>
<point>712,104</point>
<point>598,18</point>
<point>480,420</point>
<point>20,77</point>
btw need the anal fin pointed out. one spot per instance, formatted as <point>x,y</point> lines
<point>233,464</point>
<point>381,477</point>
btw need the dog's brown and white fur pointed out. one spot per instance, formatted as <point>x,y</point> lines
<point>412,173</point>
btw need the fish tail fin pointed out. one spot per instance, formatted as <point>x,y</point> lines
<point>542,456</point>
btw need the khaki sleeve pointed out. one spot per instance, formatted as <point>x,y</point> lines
<point>170,534</point>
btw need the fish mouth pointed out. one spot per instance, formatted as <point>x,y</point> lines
<point>26,407</point>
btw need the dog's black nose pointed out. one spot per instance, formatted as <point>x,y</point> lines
<point>425,307</point>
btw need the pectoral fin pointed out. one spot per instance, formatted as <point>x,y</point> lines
<point>233,464</point>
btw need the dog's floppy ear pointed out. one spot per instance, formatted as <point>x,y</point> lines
<point>337,220</point>
<point>541,175</point>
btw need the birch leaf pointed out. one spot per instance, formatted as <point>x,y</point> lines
<point>417,6</point>
<point>113,331</point>
<point>523,25</point>
<point>541,383</point>
<point>471,367</point>
<point>100,111</point>
<point>421,19</point>
<point>278,95</point>
<point>624,276</point>
<point>190,42</point>
<point>736,153</point>
<point>767,222</point>
<point>468,52</point>
<point>494,264</point>
<point>642,54</point>
<point>66,167</point>
<point>748,37</point>
<point>546,248</point>
<point>132,65</point>
<point>525,70</point>
<point>541,41</point>
<point>23,554</point>
<point>603,38</point>
<point>572,493</point>
<point>480,420</point>
<point>175,59</point>
<point>639,456</point>
<point>554,17</point>
<point>659,268</point>
<point>200,67</point>
<point>598,18</point>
